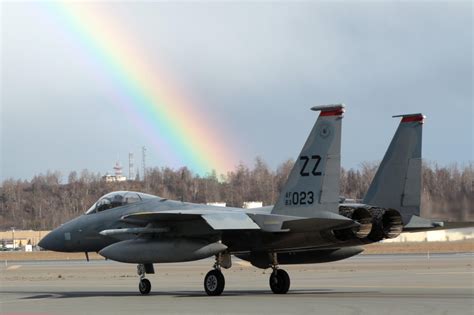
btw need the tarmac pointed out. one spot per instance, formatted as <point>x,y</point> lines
<point>368,284</point>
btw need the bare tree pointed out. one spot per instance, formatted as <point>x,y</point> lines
<point>44,202</point>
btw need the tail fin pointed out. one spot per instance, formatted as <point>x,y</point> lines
<point>397,183</point>
<point>313,184</point>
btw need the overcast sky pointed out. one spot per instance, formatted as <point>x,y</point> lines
<point>254,68</point>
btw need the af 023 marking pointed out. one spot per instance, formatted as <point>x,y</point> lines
<point>299,198</point>
<point>307,160</point>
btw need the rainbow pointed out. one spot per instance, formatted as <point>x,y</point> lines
<point>174,125</point>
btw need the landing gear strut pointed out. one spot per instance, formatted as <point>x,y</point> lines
<point>279,279</point>
<point>214,281</point>
<point>144,286</point>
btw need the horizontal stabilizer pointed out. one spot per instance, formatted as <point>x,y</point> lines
<point>418,224</point>
<point>457,225</point>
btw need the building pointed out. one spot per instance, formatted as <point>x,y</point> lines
<point>217,204</point>
<point>252,204</point>
<point>20,239</point>
<point>118,177</point>
<point>435,236</point>
<point>113,178</point>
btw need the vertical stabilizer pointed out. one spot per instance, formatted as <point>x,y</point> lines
<point>313,184</point>
<point>397,183</point>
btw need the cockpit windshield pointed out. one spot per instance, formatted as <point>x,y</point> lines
<point>117,199</point>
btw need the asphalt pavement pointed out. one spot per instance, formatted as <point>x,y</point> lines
<point>368,284</point>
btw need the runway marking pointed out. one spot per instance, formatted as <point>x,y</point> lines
<point>14,267</point>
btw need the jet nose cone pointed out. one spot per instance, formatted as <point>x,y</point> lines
<point>52,241</point>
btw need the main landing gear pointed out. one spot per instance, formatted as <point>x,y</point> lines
<point>279,279</point>
<point>214,281</point>
<point>144,286</point>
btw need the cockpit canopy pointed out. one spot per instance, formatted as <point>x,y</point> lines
<point>117,199</point>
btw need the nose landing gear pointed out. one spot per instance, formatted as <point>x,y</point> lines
<point>144,286</point>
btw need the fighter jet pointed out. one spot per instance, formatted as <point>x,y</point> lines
<point>306,225</point>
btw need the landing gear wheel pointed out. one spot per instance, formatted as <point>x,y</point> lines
<point>144,286</point>
<point>214,282</point>
<point>279,281</point>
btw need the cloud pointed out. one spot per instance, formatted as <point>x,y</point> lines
<point>255,68</point>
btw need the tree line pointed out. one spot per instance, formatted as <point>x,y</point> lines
<point>45,201</point>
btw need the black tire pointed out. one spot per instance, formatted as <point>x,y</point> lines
<point>279,281</point>
<point>214,282</point>
<point>144,286</point>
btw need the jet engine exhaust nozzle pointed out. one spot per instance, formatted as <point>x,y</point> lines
<point>359,215</point>
<point>387,223</point>
<point>392,223</point>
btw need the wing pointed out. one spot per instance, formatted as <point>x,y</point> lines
<point>217,220</point>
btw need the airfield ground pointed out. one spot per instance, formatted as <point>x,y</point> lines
<point>366,284</point>
<point>465,246</point>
